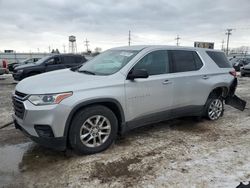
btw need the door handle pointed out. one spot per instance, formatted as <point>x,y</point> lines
<point>205,77</point>
<point>165,82</point>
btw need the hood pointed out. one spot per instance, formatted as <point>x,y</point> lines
<point>23,66</point>
<point>59,81</point>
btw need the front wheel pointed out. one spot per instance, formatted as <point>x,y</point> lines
<point>214,107</point>
<point>93,130</point>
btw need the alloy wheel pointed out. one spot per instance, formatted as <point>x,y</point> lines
<point>215,109</point>
<point>95,131</point>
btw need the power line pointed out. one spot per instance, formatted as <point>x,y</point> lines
<point>87,44</point>
<point>177,40</point>
<point>228,33</point>
<point>129,37</point>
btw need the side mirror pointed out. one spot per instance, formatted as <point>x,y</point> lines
<point>137,73</point>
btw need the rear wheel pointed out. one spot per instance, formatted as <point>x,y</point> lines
<point>214,107</point>
<point>93,130</point>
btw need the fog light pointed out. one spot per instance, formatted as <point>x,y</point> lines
<point>44,131</point>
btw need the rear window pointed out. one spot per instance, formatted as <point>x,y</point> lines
<point>219,58</point>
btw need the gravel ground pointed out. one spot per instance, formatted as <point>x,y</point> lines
<point>177,153</point>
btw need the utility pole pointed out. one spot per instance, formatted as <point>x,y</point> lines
<point>129,37</point>
<point>228,33</point>
<point>177,40</point>
<point>87,44</point>
<point>49,50</point>
<point>64,50</point>
<point>222,45</point>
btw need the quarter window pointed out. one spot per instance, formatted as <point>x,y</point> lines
<point>219,58</point>
<point>154,63</point>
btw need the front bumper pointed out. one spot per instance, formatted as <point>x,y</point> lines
<point>34,121</point>
<point>17,76</point>
<point>58,143</point>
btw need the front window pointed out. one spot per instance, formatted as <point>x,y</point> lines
<point>42,60</point>
<point>108,62</point>
<point>154,63</point>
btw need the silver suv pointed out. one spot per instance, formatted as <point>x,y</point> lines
<point>86,107</point>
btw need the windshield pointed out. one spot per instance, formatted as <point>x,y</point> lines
<point>108,62</point>
<point>40,61</point>
<point>24,61</point>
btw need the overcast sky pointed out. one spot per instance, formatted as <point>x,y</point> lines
<point>29,25</point>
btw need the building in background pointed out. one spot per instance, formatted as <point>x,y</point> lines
<point>209,45</point>
<point>19,57</point>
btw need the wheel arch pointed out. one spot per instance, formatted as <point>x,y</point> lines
<point>110,103</point>
<point>221,90</point>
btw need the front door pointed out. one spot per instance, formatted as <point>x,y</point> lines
<point>149,100</point>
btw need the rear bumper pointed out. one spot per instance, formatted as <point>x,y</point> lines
<point>234,100</point>
<point>58,143</point>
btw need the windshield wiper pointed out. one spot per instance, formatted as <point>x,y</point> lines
<point>86,72</point>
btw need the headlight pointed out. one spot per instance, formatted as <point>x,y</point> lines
<point>20,71</point>
<point>48,98</point>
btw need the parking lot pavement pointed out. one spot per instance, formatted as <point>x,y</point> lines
<point>176,153</point>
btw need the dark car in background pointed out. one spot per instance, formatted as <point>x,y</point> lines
<point>11,66</point>
<point>46,64</point>
<point>237,65</point>
<point>245,70</point>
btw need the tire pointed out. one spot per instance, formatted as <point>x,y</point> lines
<point>242,74</point>
<point>214,107</point>
<point>93,129</point>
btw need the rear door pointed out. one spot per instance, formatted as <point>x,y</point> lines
<point>189,87</point>
<point>54,63</point>
<point>150,99</point>
<point>69,61</point>
<point>80,60</point>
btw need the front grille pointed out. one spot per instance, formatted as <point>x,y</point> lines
<point>18,108</point>
<point>20,95</point>
<point>18,104</point>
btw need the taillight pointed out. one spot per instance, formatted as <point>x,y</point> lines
<point>233,73</point>
<point>4,64</point>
